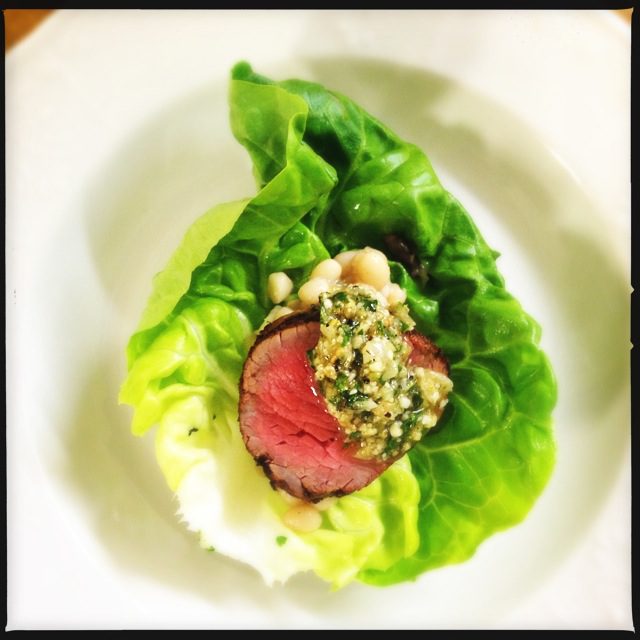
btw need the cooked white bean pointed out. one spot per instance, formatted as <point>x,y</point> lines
<point>329,269</point>
<point>370,266</point>
<point>394,293</point>
<point>288,498</point>
<point>274,314</point>
<point>302,517</point>
<point>344,259</point>
<point>282,311</point>
<point>310,291</point>
<point>295,304</point>
<point>326,503</point>
<point>279,286</point>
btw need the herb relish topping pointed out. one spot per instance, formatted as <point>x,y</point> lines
<point>382,402</point>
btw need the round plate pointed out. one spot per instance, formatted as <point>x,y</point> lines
<point>118,138</point>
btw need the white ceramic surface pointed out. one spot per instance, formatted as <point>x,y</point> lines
<point>118,138</point>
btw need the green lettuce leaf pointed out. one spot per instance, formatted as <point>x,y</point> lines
<point>332,178</point>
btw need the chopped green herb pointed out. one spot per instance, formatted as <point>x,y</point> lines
<point>310,358</point>
<point>353,399</point>
<point>368,303</point>
<point>409,422</point>
<point>341,381</point>
<point>391,447</point>
<point>382,330</point>
<point>280,540</point>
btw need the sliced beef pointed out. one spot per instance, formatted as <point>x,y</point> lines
<point>284,419</point>
<point>426,354</point>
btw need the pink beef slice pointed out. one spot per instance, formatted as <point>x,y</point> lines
<point>284,419</point>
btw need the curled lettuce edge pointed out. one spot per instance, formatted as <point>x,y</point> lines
<point>333,178</point>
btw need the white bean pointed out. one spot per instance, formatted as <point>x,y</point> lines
<point>329,269</point>
<point>371,267</point>
<point>288,498</point>
<point>310,291</point>
<point>279,286</point>
<point>274,314</point>
<point>302,517</point>
<point>295,305</point>
<point>326,503</point>
<point>282,311</point>
<point>344,259</point>
<point>394,293</point>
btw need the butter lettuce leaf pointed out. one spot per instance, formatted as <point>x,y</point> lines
<point>330,178</point>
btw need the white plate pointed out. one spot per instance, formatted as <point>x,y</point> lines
<point>118,138</point>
